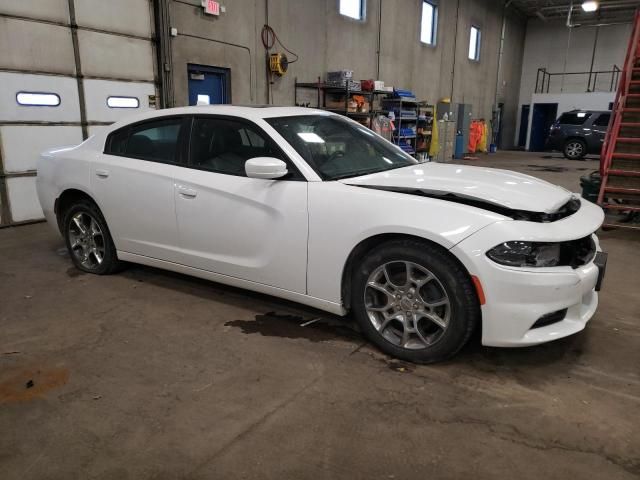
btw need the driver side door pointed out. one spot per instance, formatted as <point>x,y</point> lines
<point>248,228</point>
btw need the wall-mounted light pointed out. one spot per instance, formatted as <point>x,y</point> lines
<point>590,6</point>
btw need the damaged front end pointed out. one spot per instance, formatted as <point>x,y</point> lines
<point>566,210</point>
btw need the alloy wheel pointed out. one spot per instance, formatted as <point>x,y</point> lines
<point>86,240</point>
<point>574,149</point>
<point>407,305</point>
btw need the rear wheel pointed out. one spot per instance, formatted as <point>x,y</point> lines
<point>88,239</point>
<point>414,301</point>
<point>575,149</point>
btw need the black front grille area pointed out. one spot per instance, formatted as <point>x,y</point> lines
<point>550,318</point>
<point>576,253</point>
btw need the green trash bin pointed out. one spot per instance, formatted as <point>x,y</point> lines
<point>591,186</point>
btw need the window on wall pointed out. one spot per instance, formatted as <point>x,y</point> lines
<point>352,8</point>
<point>122,102</point>
<point>38,99</point>
<point>474,43</point>
<point>429,23</point>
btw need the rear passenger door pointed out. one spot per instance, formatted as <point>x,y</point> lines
<point>133,181</point>
<point>248,228</point>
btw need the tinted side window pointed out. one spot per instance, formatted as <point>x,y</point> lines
<point>223,146</point>
<point>573,118</point>
<point>156,140</point>
<point>602,120</point>
<point>117,143</point>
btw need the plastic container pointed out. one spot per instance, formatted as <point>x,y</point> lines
<point>459,150</point>
<point>591,186</point>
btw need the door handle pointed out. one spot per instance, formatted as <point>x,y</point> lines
<point>102,173</point>
<point>187,192</point>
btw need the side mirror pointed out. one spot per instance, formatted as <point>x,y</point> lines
<point>265,167</point>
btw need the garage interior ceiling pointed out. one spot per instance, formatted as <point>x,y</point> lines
<point>609,11</point>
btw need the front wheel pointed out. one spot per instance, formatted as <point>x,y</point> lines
<point>414,301</point>
<point>575,149</point>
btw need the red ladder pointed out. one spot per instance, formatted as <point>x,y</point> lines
<point>620,159</point>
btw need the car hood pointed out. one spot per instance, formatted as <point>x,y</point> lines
<point>502,188</point>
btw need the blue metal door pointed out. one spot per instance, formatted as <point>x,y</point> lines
<point>208,85</point>
<point>544,114</point>
<point>524,126</point>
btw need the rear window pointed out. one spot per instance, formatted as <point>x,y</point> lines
<point>573,118</point>
<point>155,140</point>
<point>603,120</point>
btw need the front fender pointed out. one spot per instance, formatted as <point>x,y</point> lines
<point>342,216</point>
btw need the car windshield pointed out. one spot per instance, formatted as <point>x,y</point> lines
<point>337,148</point>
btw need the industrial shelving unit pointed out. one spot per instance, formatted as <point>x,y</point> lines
<point>424,130</point>
<point>410,114</point>
<point>413,124</point>
<point>406,117</point>
<point>322,89</point>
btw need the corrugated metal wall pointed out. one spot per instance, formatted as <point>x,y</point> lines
<point>83,51</point>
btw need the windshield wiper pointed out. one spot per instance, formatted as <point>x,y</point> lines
<point>364,172</point>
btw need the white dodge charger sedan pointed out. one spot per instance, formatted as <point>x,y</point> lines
<point>313,207</point>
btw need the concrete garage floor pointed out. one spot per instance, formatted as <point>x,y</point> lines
<point>149,374</point>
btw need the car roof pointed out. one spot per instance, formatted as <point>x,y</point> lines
<point>587,111</point>
<point>251,112</point>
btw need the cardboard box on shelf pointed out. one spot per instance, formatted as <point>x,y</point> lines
<point>335,101</point>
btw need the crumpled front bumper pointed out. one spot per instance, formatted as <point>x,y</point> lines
<point>515,300</point>
<point>518,297</point>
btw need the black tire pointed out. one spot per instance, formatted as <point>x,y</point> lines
<point>463,308</point>
<point>575,149</point>
<point>86,209</point>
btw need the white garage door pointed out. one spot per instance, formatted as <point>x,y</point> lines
<point>67,69</point>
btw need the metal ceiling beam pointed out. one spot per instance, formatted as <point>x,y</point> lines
<point>552,9</point>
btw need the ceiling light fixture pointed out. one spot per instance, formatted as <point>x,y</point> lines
<point>590,6</point>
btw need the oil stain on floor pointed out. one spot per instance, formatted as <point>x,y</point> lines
<point>272,324</point>
<point>399,366</point>
<point>25,384</point>
<point>538,168</point>
<point>74,272</point>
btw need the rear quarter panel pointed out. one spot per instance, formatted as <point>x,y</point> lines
<point>62,169</point>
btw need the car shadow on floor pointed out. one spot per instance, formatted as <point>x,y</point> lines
<point>286,319</point>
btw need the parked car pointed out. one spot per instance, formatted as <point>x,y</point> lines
<point>313,207</point>
<point>578,133</point>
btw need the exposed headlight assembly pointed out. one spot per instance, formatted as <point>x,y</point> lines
<point>572,253</point>
<point>526,254</point>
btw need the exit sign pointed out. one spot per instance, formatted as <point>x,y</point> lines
<point>211,7</point>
